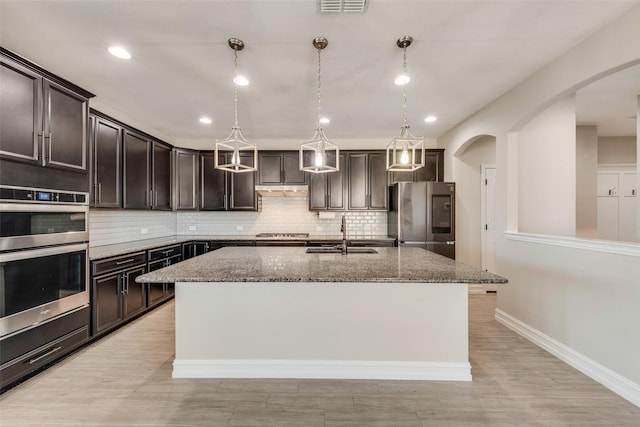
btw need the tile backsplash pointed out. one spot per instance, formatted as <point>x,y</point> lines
<point>119,226</point>
<point>277,215</point>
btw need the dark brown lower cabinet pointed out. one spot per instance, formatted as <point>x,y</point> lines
<point>115,295</point>
<point>159,258</point>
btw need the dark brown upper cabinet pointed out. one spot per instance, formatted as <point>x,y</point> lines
<point>44,137</point>
<point>107,163</point>
<point>328,191</point>
<point>146,172</point>
<point>367,183</point>
<point>186,179</point>
<point>280,167</point>
<point>226,191</point>
<point>433,169</point>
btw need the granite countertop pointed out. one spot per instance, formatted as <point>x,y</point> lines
<point>293,264</point>
<point>106,251</point>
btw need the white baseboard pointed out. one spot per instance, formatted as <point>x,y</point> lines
<point>325,369</point>
<point>605,376</point>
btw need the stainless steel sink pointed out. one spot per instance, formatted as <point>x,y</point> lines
<point>334,250</point>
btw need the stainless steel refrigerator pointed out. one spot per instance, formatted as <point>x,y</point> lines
<point>423,214</point>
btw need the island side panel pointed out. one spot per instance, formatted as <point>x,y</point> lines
<point>322,330</point>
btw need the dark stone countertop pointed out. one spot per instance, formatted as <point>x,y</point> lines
<point>293,264</point>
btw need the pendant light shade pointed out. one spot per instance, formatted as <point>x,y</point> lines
<point>239,155</point>
<point>319,155</point>
<point>406,151</point>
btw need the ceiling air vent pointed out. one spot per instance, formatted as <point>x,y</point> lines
<point>333,6</point>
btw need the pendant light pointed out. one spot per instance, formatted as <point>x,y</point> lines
<point>405,152</point>
<point>243,154</point>
<point>319,155</point>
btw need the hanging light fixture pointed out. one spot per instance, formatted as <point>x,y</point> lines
<point>405,152</point>
<point>235,142</point>
<point>319,155</point>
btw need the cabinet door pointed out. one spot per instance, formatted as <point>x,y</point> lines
<point>193,249</point>
<point>433,169</point>
<point>161,172</point>
<point>134,299</point>
<point>186,180</point>
<point>213,184</point>
<point>136,172</point>
<point>107,152</point>
<point>358,191</point>
<point>65,128</point>
<point>242,188</point>
<point>292,172</point>
<point>21,112</point>
<point>377,181</point>
<point>318,191</point>
<point>337,186</point>
<point>270,168</point>
<point>106,302</point>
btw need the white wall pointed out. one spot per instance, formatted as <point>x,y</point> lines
<point>586,181</point>
<point>467,167</point>
<point>617,150</point>
<point>582,297</point>
<point>546,171</point>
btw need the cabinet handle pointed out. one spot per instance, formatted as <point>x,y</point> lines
<point>150,198</point>
<point>126,283</point>
<point>126,261</point>
<point>50,138</point>
<point>612,191</point>
<point>633,192</point>
<point>155,199</point>
<point>99,192</point>
<point>43,161</point>
<point>42,356</point>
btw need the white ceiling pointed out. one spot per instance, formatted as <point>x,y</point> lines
<point>464,55</point>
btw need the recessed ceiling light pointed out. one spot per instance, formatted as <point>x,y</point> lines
<point>430,119</point>
<point>402,79</point>
<point>205,120</point>
<point>119,52</point>
<point>324,120</point>
<point>241,81</point>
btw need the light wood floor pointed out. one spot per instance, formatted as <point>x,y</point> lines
<point>125,380</point>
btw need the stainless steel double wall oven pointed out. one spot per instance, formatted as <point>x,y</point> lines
<point>43,275</point>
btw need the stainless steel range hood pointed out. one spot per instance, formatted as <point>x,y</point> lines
<point>283,190</point>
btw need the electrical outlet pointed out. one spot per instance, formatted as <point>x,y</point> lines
<point>144,230</point>
<point>239,227</point>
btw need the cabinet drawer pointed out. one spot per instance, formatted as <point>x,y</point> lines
<point>41,356</point>
<point>165,252</point>
<point>161,263</point>
<point>25,342</point>
<point>118,263</point>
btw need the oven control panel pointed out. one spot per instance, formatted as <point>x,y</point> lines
<point>21,194</point>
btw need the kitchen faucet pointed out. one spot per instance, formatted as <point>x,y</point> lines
<point>343,229</point>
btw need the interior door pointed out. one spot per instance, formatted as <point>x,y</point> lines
<point>489,226</point>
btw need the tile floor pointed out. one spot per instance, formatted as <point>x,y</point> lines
<point>125,379</point>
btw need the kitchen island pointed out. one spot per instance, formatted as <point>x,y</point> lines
<point>279,312</point>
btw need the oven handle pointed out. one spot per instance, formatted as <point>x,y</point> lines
<point>44,207</point>
<point>34,253</point>
<point>42,356</point>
